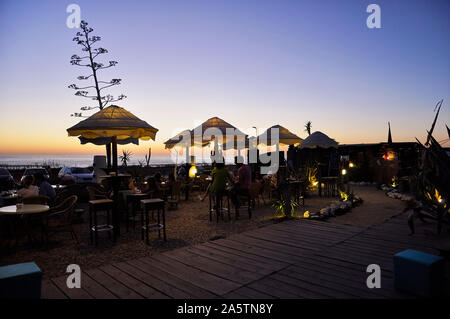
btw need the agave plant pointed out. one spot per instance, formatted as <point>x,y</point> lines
<point>125,157</point>
<point>285,208</point>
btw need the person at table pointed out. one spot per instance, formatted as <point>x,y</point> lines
<point>45,189</point>
<point>129,191</point>
<point>131,186</point>
<point>206,193</point>
<point>181,172</point>
<point>242,183</point>
<point>171,181</point>
<point>220,176</point>
<point>154,186</point>
<point>28,189</point>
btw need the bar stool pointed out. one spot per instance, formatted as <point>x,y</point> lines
<point>248,198</point>
<point>94,207</point>
<point>219,209</point>
<point>152,205</point>
<point>135,200</point>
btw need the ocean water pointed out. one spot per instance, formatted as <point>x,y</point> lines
<point>87,160</point>
<point>70,160</point>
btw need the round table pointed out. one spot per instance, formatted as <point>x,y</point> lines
<point>24,209</point>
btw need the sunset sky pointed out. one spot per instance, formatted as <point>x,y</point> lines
<point>249,62</point>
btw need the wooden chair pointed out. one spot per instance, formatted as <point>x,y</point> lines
<point>203,182</point>
<point>246,198</point>
<point>62,195</point>
<point>255,193</point>
<point>37,200</point>
<point>175,196</point>
<point>266,191</point>
<point>97,193</point>
<point>95,206</point>
<point>60,219</point>
<point>219,207</point>
<point>146,227</point>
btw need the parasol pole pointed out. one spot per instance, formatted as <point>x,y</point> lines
<point>114,153</point>
<point>188,158</point>
<point>108,154</point>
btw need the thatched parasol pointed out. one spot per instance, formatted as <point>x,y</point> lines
<point>318,139</point>
<point>286,137</point>
<point>116,123</point>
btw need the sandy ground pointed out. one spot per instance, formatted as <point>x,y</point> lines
<point>186,226</point>
<point>376,208</point>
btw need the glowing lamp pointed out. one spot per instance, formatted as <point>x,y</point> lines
<point>306,214</point>
<point>344,171</point>
<point>351,164</point>
<point>192,171</point>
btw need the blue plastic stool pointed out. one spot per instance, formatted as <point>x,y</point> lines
<point>419,273</point>
<point>20,281</point>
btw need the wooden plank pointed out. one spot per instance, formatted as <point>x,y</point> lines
<point>370,250</point>
<point>351,228</point>
<point>279,247</point>
<point>253,294</point>
<point>351,286</point>
<point>286,289</point>
<point>312,287</point>
<point>279,291</point>
<point>72,293</point>
<point>216,285</point>
<point>351,277</point>
<point>389,245</point>
<point>213,267</point>
<point>232,260</point>
<point>132,283</point>
<point>286,239</point>
<point>345,270</point>
<point>355,258</point>
<point>234,295</point>
<point>192,290</point>
<point>259,251</point>
<point>252,258</point>
<point>330,229</point>
<point>309,234</point>
<point>402,238</point>
<point>95,289</point>
<point>114,286</point>
<point>50,291</point>
<point>153,281</point>
<point>286,242</point>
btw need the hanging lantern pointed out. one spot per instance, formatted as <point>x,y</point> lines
<point>192,171</point>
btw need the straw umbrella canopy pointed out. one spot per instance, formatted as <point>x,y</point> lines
<point>221,126</point>
<point>116,123</point>
<point>286,137</point>
<point>107,140</point>
<point>184,138</point>
<point>206,132</point>
<point>236,142</point>
<point>318,139</point>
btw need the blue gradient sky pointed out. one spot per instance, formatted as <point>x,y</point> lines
<point>252,63</point>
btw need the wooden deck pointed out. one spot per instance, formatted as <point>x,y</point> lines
<point>295,259</point>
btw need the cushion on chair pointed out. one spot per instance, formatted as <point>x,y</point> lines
<point>20,281</point>
<point>419,273</point>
